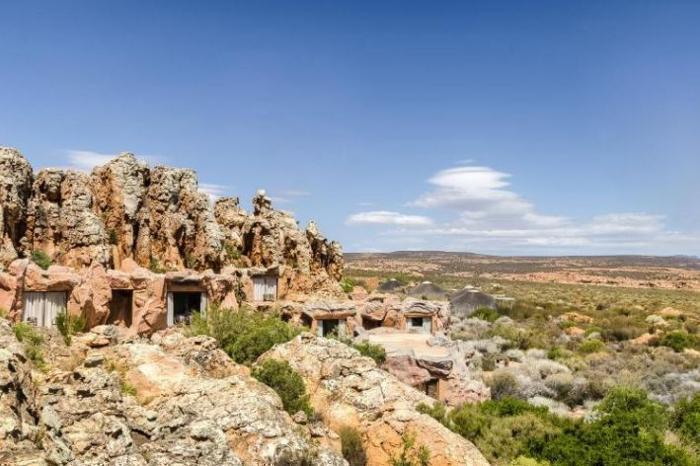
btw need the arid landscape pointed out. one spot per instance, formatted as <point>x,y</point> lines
<point>199,203</point>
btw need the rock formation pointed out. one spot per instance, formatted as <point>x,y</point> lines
<point>172,400</point>
<point>349,390</point>
<point>156,217</point>
<point>15,190</point>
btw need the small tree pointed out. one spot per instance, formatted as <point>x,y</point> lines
<point>69,325</point>
<point>686,420</point>
<point>287,382</point>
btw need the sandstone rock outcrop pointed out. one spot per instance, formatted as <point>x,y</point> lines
<point>349,390</point>
<point>157,218</point>
<point>169,401</point>
<point>15,190</point>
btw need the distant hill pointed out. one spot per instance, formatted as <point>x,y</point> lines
<point>676,272</point>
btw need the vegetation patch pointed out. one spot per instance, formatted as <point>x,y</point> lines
<point>351,446</point>
<point>376,352</point>
<point>287,382</point>
<point>244,334</point>
<point>679,340</point>
<point>627,429</point>
<point>33,341</point>
<point>411,454</point>
<point>41,259</point>
<point>69,325</point>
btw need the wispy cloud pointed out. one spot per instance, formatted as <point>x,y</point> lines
<point>481,196</point>
<point>288,196</point>
<point>86,160</point>
<point>214,191</point>
<point>383,217</point>
<point>488,216</point>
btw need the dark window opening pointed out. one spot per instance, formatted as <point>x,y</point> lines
<point>185,304</point>
<point>121,308</point>
<point>330,327</point>
<point>369,324</point>
<point>431,388</point>
<point>306,321</point>
<point>416,321</point>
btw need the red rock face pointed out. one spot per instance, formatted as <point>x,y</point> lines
<point>145,221</point>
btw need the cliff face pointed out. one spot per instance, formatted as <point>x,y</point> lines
<point>156,217</point>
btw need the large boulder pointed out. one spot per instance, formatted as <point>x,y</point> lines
<point>15,190</point>
<point>173,400</point>
<point>348,389</point>
<point>60,220</point>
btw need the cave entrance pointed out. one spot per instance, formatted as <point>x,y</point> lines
<point>431,388</point>
<point>121,308</point>
<point>331,327</point>
<point>369,324</point>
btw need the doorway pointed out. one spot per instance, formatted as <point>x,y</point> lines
<point>264,288</point>
<point>182,304</point>
<point>331,327</point>
<point>42,307</point>
<point>121,308</point>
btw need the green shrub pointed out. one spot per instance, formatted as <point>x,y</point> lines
<point>232,253</point>
<point>437,411</point>
<point>3,313</point>
<point>351,446</point>
<point>376,352</point>
<point>287,382</point>
<point>678,340</point>
<point>347,284</point>
<point>243,334</point>
<point>41,259</point>
<point>555,353</point>
<point>525,461</point>
<point>486,313</point>
<point>69,325</point>
<point>32,339</point>
<point>591,346</point>
<point>411,454</point>
<point>628,429</point>
<point>503,385</point>
<point>685,420</point>
<point>113,239</point>
<point>155,267</point>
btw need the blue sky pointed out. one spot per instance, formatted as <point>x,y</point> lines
<point>496,127</point>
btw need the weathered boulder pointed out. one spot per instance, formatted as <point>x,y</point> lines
<point>18,433</point>
<point>349,390</point>
<point>306,260</point>
<point>60,220</point>
<point>15,190</point>
<point>138,402</point>
<point>120,188</point>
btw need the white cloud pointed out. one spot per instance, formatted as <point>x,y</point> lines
<point>481,197</point>
<point>288,196</point>
<point>86,160</point>
<point>383,217</point>
<point>214,191</point>
<point>487,216</point>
